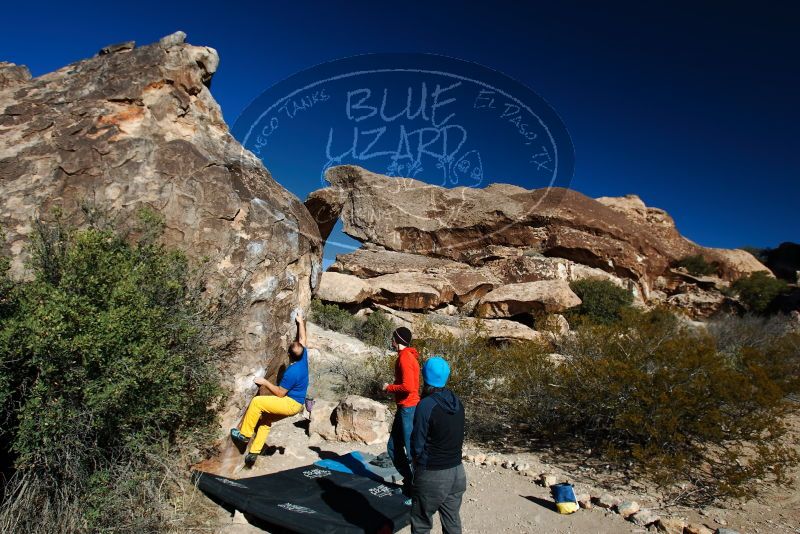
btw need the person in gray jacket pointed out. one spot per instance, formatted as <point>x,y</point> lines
<point>436,443</point>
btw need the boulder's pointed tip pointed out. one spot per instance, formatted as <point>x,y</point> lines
<point>173,39</point>
<point>12,74</point>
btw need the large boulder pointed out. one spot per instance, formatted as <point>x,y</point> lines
<point>411,291</point>
<point>425,282</point>
<point>370,261</point>
<point>620,236</point>
<point>549,296</point>
<point>342,288</point>
<point>362,419</point>
<point>322,421</point>
<point>698,303</point>
<point>138,127</point>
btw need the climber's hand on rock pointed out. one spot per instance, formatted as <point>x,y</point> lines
<point>260,381</point>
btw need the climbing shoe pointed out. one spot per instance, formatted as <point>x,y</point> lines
<point>239,437</point>
<point>250,459</point>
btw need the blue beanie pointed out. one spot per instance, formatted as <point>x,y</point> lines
<point>435,372</point>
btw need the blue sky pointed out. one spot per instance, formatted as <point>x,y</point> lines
<point>692,106</point>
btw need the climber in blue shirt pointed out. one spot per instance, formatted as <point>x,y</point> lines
<point>287,398</point>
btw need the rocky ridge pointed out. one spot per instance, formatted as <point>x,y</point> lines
<point>504,252</point>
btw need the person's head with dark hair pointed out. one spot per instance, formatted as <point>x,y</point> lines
<point>295,351</point>
<point>401,338</point>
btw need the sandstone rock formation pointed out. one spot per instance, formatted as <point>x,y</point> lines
<point>135,127</point>
<point>355,418</point>
<point>321,421</point>
<point>11,75</point>
<point>427,247</point>
<point>551,296</point>
<point>343,288</point>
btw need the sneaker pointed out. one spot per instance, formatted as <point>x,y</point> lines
<point>250,459</point>
<point>239,437</point>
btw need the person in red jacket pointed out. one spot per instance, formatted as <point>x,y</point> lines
<point>406,395</point>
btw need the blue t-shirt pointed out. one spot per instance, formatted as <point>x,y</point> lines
<point>295,379</point>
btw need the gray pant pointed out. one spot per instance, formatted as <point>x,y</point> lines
<point>440,491</point>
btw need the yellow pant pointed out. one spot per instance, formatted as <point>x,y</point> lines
<point>266,409</point>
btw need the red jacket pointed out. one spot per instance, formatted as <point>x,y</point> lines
<point>406,378</point>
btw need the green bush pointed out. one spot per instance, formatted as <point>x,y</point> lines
<point>332,317</point>
<point>652,390</point>
<point>697,265</point>
<point>645,393</point>
<point>375,330</point>
<point>107,353</point>
<point>757,290</point>
<point>602,301</point>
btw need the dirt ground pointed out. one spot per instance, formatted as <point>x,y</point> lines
<point>501,500</point>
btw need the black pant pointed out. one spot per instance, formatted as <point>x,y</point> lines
<point>442,491</point>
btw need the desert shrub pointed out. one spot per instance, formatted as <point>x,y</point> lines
<point>474,373</point>
<point>697,265</point>
<point>646,393</point>
<point>365,377</point>
<point>332,317</point>
<point>107,356</point>
<point>498,383</point>
<point>757,290</point>
<point>602,301</point>
<point>6,285</point>
<point>376,330</point>
<point>736,332</point>
<point>649,389</point>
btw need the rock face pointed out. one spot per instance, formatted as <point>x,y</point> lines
<point>11,75</point>
<point>361,419</point>
<point>322,421</point>
<point>426,247</point>
<point>551,296</point>
<point>138,127</point>
<point>343,288</point>
<point>355,418</point>
<point>619,236</point>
